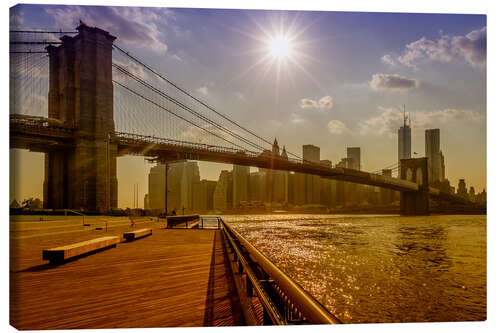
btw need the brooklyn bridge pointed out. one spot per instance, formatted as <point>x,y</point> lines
<point>83,100</point>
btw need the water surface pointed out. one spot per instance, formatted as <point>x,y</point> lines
<point>380,268</point>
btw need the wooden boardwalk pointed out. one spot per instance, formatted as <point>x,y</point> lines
<point>173,278</point>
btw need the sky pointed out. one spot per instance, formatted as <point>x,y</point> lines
<point>332,79</point>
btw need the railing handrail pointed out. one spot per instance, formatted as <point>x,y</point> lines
<point>314,311</point>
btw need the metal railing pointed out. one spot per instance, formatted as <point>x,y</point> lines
<point>284,302</point>
<point>210,222</point>
<point>77,213</point>
<point>188,221</point>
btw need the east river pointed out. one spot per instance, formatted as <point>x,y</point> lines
<point>373,268</point>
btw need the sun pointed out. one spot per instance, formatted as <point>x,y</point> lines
<point>280,47</point>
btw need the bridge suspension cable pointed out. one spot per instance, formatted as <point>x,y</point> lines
<point>188,109</point>
<point>198,101</point>
<point>174,114</point>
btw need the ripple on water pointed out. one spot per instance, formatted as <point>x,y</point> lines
<point>380,268</point>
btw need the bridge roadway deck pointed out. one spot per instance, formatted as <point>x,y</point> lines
<point>175,277</point>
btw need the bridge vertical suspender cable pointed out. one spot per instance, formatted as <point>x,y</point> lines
<point>162,77</point>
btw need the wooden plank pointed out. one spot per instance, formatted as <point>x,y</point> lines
<point>173,278</point>
<point>133,235</point>
<point>61,253</point>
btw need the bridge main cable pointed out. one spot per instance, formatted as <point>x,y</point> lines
<point>196,99</point>
<point>190,110</point>
<point>173,113</point>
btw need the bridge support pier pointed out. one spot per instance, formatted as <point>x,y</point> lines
<point>81,96</point>
<point>415,203</point>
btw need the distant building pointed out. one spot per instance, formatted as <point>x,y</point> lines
<point>404,140</point>
<point>462,188</point>
<point>203,195</point>
<point>223,193</point>
<point>354,158</point>
<point>435,158</point>
<point>472,193</point>
<point>181,177</point>
<point>310,153</point>
<point>240,184</point>
<point>146,201</point>
<point>156,187</point>
<point>257,186</point>
<point>190,176</point>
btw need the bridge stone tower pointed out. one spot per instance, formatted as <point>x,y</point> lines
<point>81,96</point>
<point>415,203</point>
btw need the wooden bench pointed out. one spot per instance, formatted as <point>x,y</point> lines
<point>59,254</point>
<point>136,234</point>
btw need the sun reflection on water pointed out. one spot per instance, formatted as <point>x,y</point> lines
<point>380,268</point>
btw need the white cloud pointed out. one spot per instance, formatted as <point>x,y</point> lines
<point>306,103</point>
<point>471,48</point>
<point>203,90</point>
<point>325,102</point>
<point>337,127</point>
<point>390,119</point>
<point>392,82</point>
<point>132,25</point>
<point>388,59</point>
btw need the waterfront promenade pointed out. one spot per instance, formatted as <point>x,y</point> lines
<point>175,277</point>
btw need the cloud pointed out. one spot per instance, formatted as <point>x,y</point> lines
<point>471,48</point>
<point>390,119</point>
<point>325,102</point>
<point>393,82</point>
<point>388,59</point>
<point>337,127</point>
<point>203,90</point>
<point>132,25</point>
<point>306,103</point>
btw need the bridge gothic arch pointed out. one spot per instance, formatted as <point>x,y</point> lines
<point>415,203</point>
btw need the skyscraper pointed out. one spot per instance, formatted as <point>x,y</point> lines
<point>435,159</point>
<point>181,176</point>
<point>404,140</point>
<point>310,153</point>
<point>354,158</point>
<point>462,188</point>
<point>223,192</point>
<point>240,184</point>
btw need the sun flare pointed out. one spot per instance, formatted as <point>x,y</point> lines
<point>280,47</point>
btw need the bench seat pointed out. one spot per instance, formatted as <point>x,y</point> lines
<point>133,235</point>
<point>61,253</point>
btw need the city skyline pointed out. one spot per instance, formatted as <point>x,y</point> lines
<point>349,98</point>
